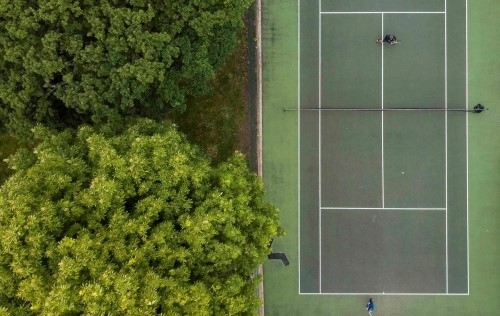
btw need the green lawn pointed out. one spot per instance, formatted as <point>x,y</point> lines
<point>8,146</point>
<point>217,122</point>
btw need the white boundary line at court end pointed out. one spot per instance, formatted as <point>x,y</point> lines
<point>387,294</point>
<point>386,208</point>
<point>383,12</point>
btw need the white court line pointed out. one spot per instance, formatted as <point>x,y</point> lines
<point>467,131</point>
<point>298,134</point>
<point>383,12</point>
<point>382,105</point>
<point>319,146</point>
<point>392,294</point>
<point>387,208</point>
<point>446,129</point>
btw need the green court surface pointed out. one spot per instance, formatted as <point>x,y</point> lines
<point>382,161</point>
<point>400,206</point>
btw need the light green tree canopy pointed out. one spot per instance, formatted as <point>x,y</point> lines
<point>130,221</point>
<point>63,63</point>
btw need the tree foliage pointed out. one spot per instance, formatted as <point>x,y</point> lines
<point>63,63</point>
<point>130,220</point>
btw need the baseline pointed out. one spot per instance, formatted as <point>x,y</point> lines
<point>383,12</point>
<point>387,208</point>
<point>386,294</point>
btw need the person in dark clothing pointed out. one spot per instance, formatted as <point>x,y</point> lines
<point>389,38</point>
<point>370,307</point>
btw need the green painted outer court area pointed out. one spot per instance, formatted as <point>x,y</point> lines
<point>399,206</point>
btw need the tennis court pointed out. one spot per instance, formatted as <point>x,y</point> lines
<point>383,194</point>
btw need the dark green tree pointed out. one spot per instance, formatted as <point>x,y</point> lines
<point>63,63</point>
<point>130,220</point>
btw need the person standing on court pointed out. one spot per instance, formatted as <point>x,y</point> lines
<point>370,307</point>
<point>389,38</point>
